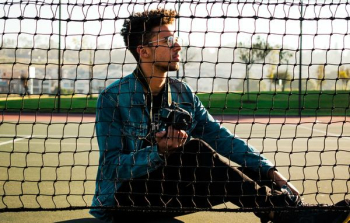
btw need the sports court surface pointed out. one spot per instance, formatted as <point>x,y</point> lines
<point>58,156</point>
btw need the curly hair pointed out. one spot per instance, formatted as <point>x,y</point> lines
<point>137,30</point>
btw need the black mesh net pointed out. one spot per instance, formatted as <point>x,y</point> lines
<point>274,73</point>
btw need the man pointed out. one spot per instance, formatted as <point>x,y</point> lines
<point>24,81</point>
<point>147,163</point>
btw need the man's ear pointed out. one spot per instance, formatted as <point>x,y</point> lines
<point>142,51</point>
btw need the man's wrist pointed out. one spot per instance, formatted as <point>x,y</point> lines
<point>271,172</point>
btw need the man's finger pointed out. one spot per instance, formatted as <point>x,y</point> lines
<point>184,139</point>
<point>160,134</point>
<point>177,135</point>
<point>293,189</point>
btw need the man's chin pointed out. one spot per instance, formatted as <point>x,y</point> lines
<point>171,68</point>
<point>174,67</point>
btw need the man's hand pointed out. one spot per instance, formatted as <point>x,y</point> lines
<point>280,180</point>
<point>169,141</point>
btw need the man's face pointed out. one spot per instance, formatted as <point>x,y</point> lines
<point>164,54</point>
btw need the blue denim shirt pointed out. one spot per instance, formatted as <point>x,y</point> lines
<point>122,120</point>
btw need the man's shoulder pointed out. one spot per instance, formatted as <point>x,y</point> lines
<point>119,90</point>
<point>119,84</point>
<point>182,90</point>
<point>179,85</point>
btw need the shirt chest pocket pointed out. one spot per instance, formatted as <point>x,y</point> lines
<point>134,131</point>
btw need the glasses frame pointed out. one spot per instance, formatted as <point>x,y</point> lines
<point>170,40</point>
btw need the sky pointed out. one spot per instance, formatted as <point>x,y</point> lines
<point>319,33</point>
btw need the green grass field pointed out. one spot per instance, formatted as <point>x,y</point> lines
<point>313,103</point>
<point>273,103</point>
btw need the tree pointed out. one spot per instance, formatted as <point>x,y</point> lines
<point>320,76</point>
<point>284,57</point>
<point>252,54</point>
<point>273,59</point>
<point>281,78</point>
<point>344,76</point>
<point>285,77</point>
<point>271,76</point>
<point>281,57</point>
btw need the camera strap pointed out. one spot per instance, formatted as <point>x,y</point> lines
<point>149,97</point>
<point>167,93</point>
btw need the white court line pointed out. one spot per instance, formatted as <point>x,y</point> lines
<point>323,132</point>
<point>44,136</point>
<point>22,137</point>
<point>56,143</point>
<point>12,141</point>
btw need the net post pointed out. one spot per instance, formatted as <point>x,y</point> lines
<point>178,34</point>
<point>91,74</point>
<point>300,54</point>
<point>59,59</point>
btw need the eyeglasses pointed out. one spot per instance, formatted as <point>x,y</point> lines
<point>170,40</point>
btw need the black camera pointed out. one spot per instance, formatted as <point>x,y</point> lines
<point>174,116</point>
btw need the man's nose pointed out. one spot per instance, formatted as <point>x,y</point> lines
<point>177,46</point>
